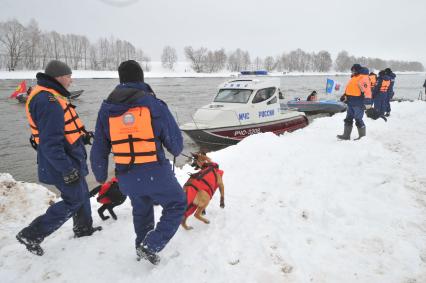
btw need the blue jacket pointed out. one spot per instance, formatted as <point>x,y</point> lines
<point>166,130</point>
<point>55,156</point>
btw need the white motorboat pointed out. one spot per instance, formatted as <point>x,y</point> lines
<point>243,107</point>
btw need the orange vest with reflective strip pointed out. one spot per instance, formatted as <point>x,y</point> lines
<point>352,89</point>
<point>385,86</point>
<point>73,127</point>
<point>132,137</point>
<point>373,80</point>
<point>365,85</point>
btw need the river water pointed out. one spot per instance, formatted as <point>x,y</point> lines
<point>183,95</point>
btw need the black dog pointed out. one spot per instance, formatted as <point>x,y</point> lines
<point>110,197</point>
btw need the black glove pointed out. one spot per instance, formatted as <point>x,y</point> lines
<point>88,138</point>
<point>71,177</point>
<point>222,202</point>
<point>33,143</point>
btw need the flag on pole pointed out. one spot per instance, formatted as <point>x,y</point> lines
<point>21,88</point>
<point>329,86</point>
<point>332,86</point>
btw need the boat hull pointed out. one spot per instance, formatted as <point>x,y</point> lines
<point>234,134</point>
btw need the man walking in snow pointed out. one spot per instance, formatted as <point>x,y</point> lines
<point>134,125</point>
<point>59,137</point>
<point>355,94</point>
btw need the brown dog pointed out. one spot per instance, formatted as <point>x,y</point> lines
<point>201,186</point>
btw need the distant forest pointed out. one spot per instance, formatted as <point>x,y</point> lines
<point>28,48</point>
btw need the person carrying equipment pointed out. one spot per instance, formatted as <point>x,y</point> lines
<point>135,125</point>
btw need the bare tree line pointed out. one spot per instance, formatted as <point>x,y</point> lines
<point>27,47</point>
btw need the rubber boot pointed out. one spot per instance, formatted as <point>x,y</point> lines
<point>361,132</point>
<point>346,133</point>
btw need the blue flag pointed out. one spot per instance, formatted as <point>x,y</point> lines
<point>330,86</point>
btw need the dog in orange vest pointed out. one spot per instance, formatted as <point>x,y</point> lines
<point>201,186</point>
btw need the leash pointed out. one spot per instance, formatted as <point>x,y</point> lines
<point>174,161</point>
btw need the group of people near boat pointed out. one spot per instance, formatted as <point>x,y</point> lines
<point>134,125</point>
<point>367,92</point>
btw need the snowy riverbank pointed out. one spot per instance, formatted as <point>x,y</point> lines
<point>302,207</point>
<point>181,70</point>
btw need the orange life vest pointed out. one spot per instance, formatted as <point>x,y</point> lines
<point>204,180</point>
<point>132,137</point>
<point>353,88</point>
<point>373,80</point>
<point>73,127</point>
<point>385,86</point>
<point>365,85</point>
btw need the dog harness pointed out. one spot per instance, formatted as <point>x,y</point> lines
<point>103,196</point>
<point>204,180</point>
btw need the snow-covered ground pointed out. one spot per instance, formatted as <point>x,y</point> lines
<point>302,207</point>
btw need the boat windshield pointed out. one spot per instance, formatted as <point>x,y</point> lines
<point>233,95</point>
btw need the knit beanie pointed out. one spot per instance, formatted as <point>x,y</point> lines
<point>57,68</point>
<point>130,71</point>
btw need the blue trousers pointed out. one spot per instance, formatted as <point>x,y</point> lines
<point>145,188</point>
<point>389,96</point>
<point>75,203</point>
<point>380,103</point>
<point>357,113</point>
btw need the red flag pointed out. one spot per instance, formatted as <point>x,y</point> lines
<point>21,88</point>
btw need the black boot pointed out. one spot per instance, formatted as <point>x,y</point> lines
<point>31,245</point>
<point>78,233</point>
<point>144,253</point>
<point>346,133</point>
<point>361,132</point>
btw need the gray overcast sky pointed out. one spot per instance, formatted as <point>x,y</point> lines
<point>387,29</point>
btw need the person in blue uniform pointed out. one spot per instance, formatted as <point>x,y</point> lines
<point>59,137</point>
<point>135,125</point>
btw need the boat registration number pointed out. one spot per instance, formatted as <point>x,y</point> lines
<point>246,132</point>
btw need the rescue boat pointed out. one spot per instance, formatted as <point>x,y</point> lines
<point>243,107</point>
<point>317,107</point>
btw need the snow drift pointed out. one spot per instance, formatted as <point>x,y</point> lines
<point>302,207</point>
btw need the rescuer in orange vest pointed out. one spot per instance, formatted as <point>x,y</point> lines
<point>380,95</point>
<point>134,126</point>
<point>59,137</point>
<point>355,98</point>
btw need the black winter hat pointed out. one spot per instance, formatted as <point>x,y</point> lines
<point>130,71</point>
<point>57,68</point>
<point>356,68</point>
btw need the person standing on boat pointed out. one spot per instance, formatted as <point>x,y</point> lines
<point>354,96</point>
<point>390,93</point>
<point>59,137</point>
<point>134,125</point>
<point>312,96</point>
